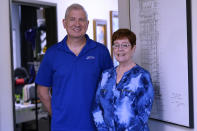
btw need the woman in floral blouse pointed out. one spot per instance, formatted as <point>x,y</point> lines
<point>125,94</point>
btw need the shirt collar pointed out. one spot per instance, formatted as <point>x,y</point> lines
<point>127,72</point>
<point>89,44</point>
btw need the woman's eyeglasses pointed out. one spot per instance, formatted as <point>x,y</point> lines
<point>123,46</point>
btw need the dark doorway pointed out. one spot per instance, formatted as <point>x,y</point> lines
<point>34,30</point>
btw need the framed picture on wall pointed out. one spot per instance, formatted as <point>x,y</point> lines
<point>100,31</point>
<point>113,22</point>
<point>164,48</point>
<point>114,25</point>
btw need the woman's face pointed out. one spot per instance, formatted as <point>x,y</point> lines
<point>123,51</point>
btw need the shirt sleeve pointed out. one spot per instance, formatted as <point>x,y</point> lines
<point>98,112</point>
<point>106,62</point>
<point>144,102</point>
<point>44,75</point>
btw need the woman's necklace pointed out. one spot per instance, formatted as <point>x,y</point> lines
<point>120,72</point>
<point>123,69</point>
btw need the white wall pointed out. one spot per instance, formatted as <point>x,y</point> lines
<point>6,115</point>
<point>96,9</point>
<point>124,16</point>
<point>157,125</point>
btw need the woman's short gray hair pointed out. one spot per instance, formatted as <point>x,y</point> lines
<point>75,7</point>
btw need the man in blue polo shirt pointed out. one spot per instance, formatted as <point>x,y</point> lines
<point>72,69</point>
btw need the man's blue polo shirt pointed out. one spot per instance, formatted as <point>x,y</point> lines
<point>73,80</point>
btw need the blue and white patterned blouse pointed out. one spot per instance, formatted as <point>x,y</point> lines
<point>125,106</point>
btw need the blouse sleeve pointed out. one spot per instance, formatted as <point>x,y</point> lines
<point>144,101</point>
<point>98,112</point>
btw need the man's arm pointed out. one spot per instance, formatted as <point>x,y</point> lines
<point>106,60</point>
<point>43,94</point>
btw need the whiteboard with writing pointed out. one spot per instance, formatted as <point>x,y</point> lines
<point>162,49</point>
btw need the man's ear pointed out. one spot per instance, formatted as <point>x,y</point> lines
<point>88,22</point>
<point>64,23</point>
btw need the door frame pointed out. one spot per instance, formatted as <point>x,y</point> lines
<point>32,3</point>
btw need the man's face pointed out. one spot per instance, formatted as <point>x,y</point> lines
<point>76,23</point>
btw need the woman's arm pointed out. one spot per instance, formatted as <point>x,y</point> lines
<point>144,102</point>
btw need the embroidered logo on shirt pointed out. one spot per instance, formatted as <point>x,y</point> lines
<point>90,57</point>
